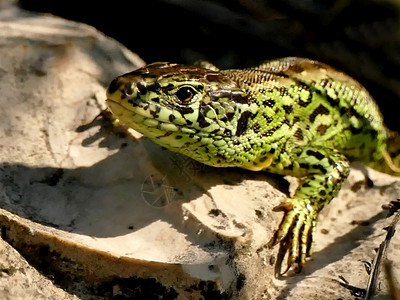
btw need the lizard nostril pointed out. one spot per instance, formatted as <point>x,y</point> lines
<point>128,91</point>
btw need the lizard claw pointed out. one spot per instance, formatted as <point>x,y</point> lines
<point>295,235</point>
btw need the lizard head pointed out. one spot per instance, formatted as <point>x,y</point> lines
<point>188,109</point>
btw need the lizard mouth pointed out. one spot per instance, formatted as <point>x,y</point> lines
<point>143,121</point>
<point>115,106</point>
<point>140,121</point>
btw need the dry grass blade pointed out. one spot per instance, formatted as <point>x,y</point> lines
<point>380,258</point>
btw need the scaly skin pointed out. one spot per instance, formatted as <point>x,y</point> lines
<point>291,116</point>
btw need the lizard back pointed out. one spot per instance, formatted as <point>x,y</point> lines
<point>320,104</point>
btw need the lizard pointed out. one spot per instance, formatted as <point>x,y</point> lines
<point>290,116</point>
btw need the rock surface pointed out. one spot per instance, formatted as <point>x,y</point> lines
<point>102,212</point>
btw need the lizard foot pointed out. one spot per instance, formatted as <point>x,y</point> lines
<point>295,234</point>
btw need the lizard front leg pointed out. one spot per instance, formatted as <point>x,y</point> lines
<point>322,171</point>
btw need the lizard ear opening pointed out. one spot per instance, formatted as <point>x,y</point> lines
<point>237,95</point>
<point>240,97</point>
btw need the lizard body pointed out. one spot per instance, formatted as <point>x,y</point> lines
<point>290,116</point>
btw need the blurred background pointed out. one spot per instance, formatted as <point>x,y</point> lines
<point>359,37</point>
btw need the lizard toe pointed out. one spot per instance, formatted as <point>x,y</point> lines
<point>295,236</point>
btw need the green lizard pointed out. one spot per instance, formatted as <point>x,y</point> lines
<point>290,116</point>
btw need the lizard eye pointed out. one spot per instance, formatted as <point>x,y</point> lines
<point>185,94</point>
